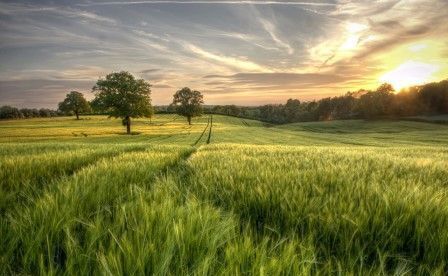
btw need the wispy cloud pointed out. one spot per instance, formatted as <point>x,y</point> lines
<point>21,9</point>
<point>263,50</point>
<point>186,2</point>
<point>271,30</point>
<point>233,62</point>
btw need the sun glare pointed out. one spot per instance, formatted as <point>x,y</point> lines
<point>353,35</point>
<point>409,73</point>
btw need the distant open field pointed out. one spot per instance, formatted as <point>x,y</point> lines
<point>232,197</point>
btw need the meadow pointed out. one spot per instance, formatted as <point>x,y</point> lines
<point>226,196</point>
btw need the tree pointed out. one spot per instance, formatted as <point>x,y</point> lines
<point>74,102</point>
<point>377,103</point>
<point>122,96</point>
<point>435,97</point>
<point>188,103</point>
<point>292,109</point>
<point>9,112</point>
<point>385,88</point>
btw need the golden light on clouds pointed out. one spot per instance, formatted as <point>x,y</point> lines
<point>233,52</point>
<point>414,64</point>
<point>354,31</point>
<point>410,73</point>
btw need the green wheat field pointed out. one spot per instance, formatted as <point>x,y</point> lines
<point>225,196</point>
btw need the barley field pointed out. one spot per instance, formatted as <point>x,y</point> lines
<point>225,196</point>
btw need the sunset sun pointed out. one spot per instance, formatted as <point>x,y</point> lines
<point>409,73</point>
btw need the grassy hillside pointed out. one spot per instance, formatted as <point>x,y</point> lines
<point>232,197</point>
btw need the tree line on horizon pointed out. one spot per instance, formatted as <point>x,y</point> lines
<point>122,96</point>
<point>382,103</point>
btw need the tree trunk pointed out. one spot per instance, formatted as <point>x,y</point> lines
<point>189,120</point>
<point>128,125</point>
<point>77,115</point>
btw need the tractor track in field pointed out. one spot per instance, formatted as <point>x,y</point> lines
<point>210,130</point>
<point>209,127</point>
<point>202,134</point>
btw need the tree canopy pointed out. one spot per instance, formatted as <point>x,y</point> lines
<point>188,103</point>
<point>121,95</point>
<point>76,103</point>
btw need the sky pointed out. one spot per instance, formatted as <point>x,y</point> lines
<point>234,52</point>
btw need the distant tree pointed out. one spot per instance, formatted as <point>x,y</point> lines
<point>27,112</point>
<point>122,96</point>
<point>292,109</point>
<point>188,103</point>
<point>434,96</point>
<point>44,112</point>
<point>377,103</point>
<point>74,102</point>
<point>273,113</point>
<point>385,88</point>
<point>325,109</point>
<point>343,106</point>
<point>9,112</point>
<point>407,103</point>
<point>35,112</point>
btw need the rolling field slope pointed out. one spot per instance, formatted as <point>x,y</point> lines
<point>224,196</point>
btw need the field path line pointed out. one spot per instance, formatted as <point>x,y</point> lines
<point>202,134</point>
<point>210,130</point>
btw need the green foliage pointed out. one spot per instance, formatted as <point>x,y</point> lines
<point>9,112</point>
<point>376,104</point>
<point>435,97</point>
<point>188,103</point>
<point>122,96</point>
<point>74,102</point>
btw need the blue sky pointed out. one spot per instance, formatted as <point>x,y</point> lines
<point>235,52</point>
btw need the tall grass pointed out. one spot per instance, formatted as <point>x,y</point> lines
<point>25,175</point>
<point>53,230</point>
<point>123,216</point>
<point>316,198</point>
<point>359,206</point>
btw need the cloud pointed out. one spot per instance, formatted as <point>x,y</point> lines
<point>233,62</point>
<point>21,9</point>
<point>162,86</point>
<point>271,30</point>
<point>251,39</point>
<point>81,73</point>
<point>39,92</point>
<point>263,50</point>
<point>146,71</point>
<point>186,2</point>
<point>386,26</point>
<point>280,81</point>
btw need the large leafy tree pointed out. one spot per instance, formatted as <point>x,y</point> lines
<point>76,103</point>
<point>122,96</point>
<point>188,103</point>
